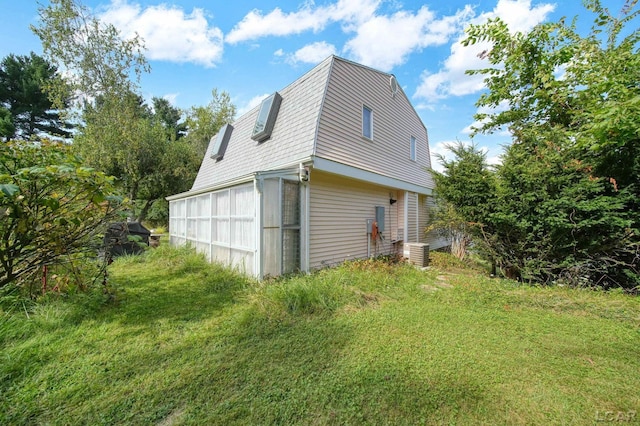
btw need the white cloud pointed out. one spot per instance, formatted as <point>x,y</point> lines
<point>169,33</point>
<point>252,103</point>
<point>518,14</point>
<point>380,40</point>
<point>312,53</point>
<point>277,23</point>
<point>385,41</point>
<point>255,24</point>
<point>451,79</point>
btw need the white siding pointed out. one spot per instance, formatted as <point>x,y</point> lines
<point>338,217</point>
<point>352,86</point>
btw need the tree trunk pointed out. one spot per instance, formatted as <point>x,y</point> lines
<point>145,210</point>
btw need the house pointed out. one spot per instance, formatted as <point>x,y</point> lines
<point>332,167</point>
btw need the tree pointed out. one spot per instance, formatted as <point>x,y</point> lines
<point>446,222</point>
<point>99,61</point>
<point>568,191</point>
<point>465,194</point>
<point>169,116</point>
<point>22,83</point>
<point>203,122</point>
<point>51,207</point>
<point>7,128</point>
<point>124,139</point>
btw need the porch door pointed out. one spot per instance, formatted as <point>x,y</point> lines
<point>281,226</point>
<point>290,226</point>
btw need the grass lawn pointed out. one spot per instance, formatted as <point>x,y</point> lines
<point>185,342</point>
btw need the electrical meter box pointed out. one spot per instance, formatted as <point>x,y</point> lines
<point>380,218</point>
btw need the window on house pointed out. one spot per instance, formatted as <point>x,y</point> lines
<point>412,149</point>
<point>367,122</point>
<point>221,141</point>
<point>266,118</point>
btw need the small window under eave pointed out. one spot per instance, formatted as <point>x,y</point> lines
<point>220,142</point>
<point>266,118</point>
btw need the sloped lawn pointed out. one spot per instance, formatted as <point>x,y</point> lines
<point>185,342</point>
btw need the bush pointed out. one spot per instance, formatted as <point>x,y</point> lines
<point>52,209</point>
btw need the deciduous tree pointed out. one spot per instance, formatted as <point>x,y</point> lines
<point>98,60</point>
<point>203,122</point>
<point>51,207</point>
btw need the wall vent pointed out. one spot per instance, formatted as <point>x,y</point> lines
<point>419,254</point>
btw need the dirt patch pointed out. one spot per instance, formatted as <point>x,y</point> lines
<point>444,285</point>
<point>172,417</point>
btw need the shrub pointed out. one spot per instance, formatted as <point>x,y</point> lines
<point>52,209</point>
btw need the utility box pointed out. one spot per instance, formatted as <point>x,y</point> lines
<point>419,254</point>
<point>380,218</point>
<point>369,226</point>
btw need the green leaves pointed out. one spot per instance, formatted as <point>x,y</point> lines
<point>9,189</point>
<point>25,109</point>
<point>95,52</point>
<point>52,206</point>
<point>567,195</point>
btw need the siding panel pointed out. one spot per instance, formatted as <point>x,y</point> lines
<point>394,122</point>
<point>339,210</point>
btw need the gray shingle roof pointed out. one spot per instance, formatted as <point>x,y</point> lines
<point>292,138</point>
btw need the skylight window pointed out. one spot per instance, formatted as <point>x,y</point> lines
<point>266,118</point>
<point>220,142</point>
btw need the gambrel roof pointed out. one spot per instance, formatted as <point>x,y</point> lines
<point>319,123</point>
<point>292,138</point>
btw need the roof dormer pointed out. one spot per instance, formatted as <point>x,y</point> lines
<point>266,118</point>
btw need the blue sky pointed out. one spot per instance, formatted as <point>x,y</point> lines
<point>250,49</point>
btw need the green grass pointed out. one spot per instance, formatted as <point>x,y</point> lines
<point>185,342</point>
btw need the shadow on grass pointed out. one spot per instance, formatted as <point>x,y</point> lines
<point>188,290</point>
<point>185,346</point>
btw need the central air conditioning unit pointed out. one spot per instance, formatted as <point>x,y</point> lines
<point>419,254</point>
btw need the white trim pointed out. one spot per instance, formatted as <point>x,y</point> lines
<point>367,176</point>
<point>259,212</point>
<point>406,216</point>
<point>212,188</point>
<point>417,218</point>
